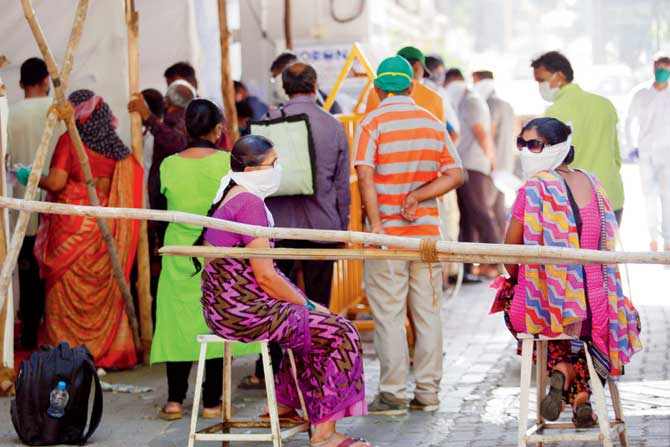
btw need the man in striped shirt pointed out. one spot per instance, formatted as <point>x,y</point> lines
<point>404,161</point>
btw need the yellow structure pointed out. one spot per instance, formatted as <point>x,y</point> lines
<point>347,297</point>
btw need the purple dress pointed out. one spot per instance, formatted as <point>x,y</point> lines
<point>327,347</point>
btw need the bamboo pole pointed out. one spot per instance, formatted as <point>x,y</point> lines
<point>288,32</point>
<point>143,283</point>
<point>41,153</point>
<point>4,320</point>
<point>227,86</point>
<point>337,254</point>
<point>60,82</point>
<point>470,251</point>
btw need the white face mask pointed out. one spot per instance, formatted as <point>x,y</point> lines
<point>262,183</point>
<point>547,92</point>
<point>484,88</point>
<point>279,96</point>
<point>455,91</point>
<point>549,159</point>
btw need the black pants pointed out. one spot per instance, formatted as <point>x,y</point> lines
<point>619,215</point>
<point>31,304</point>
<point>212,387</point>
<point>318,275</point>
<point>477,201</point>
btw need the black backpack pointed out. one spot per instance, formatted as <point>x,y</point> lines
<point>38,376</point>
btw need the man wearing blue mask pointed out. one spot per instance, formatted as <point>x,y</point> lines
<point>649,112</point>
<point>594,120</point>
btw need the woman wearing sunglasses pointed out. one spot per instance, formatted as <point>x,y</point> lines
<point>563,207</point>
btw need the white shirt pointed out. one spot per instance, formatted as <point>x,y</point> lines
<point>650,108</point>
<point>449,112</point>
<point>27,119</point>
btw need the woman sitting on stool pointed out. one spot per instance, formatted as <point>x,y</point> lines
<point>250,300</point>
<point>563,207</point>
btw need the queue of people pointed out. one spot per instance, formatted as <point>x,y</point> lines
<point>425,133</point>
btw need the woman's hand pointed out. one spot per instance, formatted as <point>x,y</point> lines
<point>321,308</point>
<point>270,281</point>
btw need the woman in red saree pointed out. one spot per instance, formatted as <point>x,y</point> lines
<point>84,304</point>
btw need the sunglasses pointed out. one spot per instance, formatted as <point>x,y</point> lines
<point>534,145</point>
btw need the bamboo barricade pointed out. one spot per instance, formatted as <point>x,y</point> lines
<point>63,110</point>
<point>6,358</point>
<point>227,87</point>
<point>41,153</point>
<point>471,252</point>
<point>143,283</point>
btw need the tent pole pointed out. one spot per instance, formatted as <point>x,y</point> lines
<point>6,357</point>
<point>288,34</point>
<point>227,88</point>
<point>63,110</point>
<point>143,283</point>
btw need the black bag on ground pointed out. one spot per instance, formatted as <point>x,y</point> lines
<point>38,376</point>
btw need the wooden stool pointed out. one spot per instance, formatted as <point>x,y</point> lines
<point>536,433</point>
<point>276,434</point>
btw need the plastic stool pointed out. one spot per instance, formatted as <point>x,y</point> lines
<point>606,428</point>
<point>276,434</point>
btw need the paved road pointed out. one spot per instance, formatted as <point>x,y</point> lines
<point>480,386</point>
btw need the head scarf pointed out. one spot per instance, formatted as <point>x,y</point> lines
<point>96,125</point>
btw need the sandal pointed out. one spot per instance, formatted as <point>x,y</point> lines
<point>583,416</point>
<point>248,384</point>
<point>347,442</point>
<point>170,415</point>
<point>212,413</point>
<point>552,404</point>
<point>290,417</point>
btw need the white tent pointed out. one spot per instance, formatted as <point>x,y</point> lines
<point>170,31</point>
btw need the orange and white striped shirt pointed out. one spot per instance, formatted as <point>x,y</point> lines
<point>408,147</point>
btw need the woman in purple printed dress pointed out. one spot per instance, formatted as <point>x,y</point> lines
<point>249,300</point>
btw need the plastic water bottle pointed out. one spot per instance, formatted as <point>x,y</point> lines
<point>58,400</point>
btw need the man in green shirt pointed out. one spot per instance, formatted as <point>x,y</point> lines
<point>593,119</point>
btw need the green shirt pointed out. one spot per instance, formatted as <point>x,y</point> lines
<point>594,120</point>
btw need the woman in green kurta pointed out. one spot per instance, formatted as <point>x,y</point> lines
<point>189,181</point>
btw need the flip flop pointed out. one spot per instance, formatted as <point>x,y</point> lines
<point>248,384</point>
<point>290,417</point>
<point>583,416</point>
<point>347,442</point>
<point>552,404</point>
<point>170,415</point>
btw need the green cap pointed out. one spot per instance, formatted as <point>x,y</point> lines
<point>414,53</point>
<point>394,74</point>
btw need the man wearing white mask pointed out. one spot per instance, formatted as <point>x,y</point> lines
<point>594,121</point>
<point>434,79</point>
<point>649,110</point>
<point>477,196</point>
<point>502,130</point>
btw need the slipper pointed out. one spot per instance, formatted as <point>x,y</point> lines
<point>212,413</point>
<point>170,415</point>
<point>345,443</point>
<point>583,416</point>
<point>248,384</point>
<point>552,404</point>
<point>289,417</point>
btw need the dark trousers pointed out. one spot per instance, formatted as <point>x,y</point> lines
<point>478,200</point>
<point>318,275</point>
<point>212,387</point>
<point>31,304</point>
